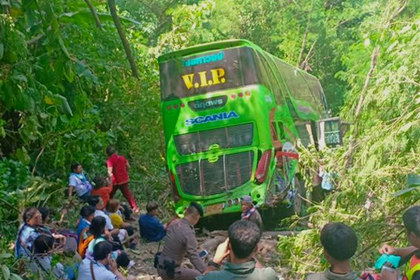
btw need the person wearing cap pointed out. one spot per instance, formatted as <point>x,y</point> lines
<point>151,229</point>
<point>250,212</point>
<point>181,241</point>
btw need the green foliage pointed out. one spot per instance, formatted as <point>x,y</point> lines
<point>66,93</point>
<point>5,272</point>
<point>373,193</point>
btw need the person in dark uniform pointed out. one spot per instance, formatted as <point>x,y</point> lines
<point>181,241</point>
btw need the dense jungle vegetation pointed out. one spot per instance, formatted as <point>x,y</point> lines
<point>76,76</point>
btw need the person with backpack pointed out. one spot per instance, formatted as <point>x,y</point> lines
<point>410,256</point>
<point>79,182</point>
<point>87,213</point>
<point>97,234</point>
<point>118,168</point>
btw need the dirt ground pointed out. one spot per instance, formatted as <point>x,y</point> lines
<point>144,253</point>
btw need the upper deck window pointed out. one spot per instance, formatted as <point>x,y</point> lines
<point>205,72</point>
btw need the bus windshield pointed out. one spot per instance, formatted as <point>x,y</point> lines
<point>224,138</point>
<point>210,71</point>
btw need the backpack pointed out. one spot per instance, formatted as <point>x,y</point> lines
<point>84,243</point>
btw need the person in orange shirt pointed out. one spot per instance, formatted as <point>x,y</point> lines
<point>102,187</point>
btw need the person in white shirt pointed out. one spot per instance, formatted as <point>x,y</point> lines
<point>97,268</point>
<point>97,202</point>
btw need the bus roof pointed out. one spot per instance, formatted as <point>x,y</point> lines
<point>207,47</point>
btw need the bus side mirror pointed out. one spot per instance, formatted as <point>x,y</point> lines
<point>330,133</point>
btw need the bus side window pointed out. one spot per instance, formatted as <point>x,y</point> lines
<point>305,131</point>
<point>265,75</point>
<point>280,130</point>
<point>271,77</point>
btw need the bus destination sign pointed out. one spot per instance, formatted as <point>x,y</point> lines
<point>203,59</point>
<point>208,103</point>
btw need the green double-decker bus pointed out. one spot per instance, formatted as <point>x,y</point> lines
<point>232,116</point>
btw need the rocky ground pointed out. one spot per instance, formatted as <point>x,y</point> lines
<point>144,254</point>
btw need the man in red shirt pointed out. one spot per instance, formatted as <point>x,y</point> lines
<point>118,170</point>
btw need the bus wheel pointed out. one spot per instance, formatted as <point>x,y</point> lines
<point>300,194</point>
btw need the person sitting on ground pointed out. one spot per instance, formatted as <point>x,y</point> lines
<point>71,238</point>
<point>241,247</point>
<point>97,268</point>
<point>96,201</point>
<point>30,229</point>
<point>410,256</point>
<point>250,212</point>
<point>181,240</point>
<point>340,244</point>
<point>41,262</point>
<point>27,232</point>
<point>118,168</point>
<point>99,234</point>
<point>151,229</point>
<point>79,182</point>
<point>45,213</point>
<point>87,214</point>
<point>102,188</point>
<point>115,215</point>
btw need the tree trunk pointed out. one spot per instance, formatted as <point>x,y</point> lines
<point>95,14</point>
<point>113,10</point>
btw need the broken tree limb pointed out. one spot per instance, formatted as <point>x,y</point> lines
<point>121,32</point>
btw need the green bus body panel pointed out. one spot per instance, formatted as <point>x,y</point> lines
<point>252,108</point>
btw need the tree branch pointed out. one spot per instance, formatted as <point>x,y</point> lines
<point>95,14</point>
<point>305,35</point>
<point>375,53</point>
<point>113,10</point>
<point>358,110</point>
<point>37,159</point>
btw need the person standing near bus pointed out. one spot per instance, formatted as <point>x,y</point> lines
<point>250,212</point>
<point>118,168</point>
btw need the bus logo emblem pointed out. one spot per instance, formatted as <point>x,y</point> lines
<point>212,118</point>
<point>209,103</point>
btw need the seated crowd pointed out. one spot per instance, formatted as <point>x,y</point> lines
<point>103,233</point>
